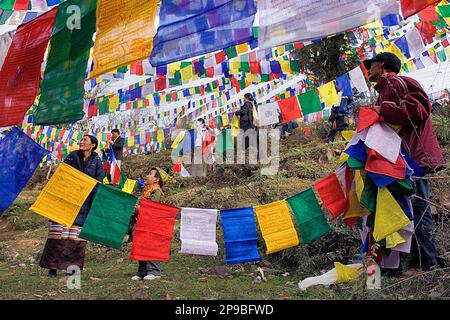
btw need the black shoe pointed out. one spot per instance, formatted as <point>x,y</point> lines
<point>52,273</point>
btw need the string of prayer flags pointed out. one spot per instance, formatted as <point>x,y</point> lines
<point>154,231</point>
<point>64,194</point>
<point>306,20</point>
<point>310,102</point>
<point>62,88</point>
<point>192,28</point>
<point>109,216</point>
<point>389,216</point>
<point>309,216</point>
<point>289,109</point>
<point>239,233</point>
<point>198,231</point>
<point>19,158</point>
<point>276,226</point>
<point>125,30</point>
<point>330,192</point>
<point>19,75</point>
<point>411,7</point>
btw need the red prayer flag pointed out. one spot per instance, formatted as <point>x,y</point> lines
<point>160,83</point>
<point>210,72</point>
<point>154,231</point>
<point>411,7</point>
<point>429,14</point>
<point>255,67</point>
<point>220,56</point>
<point>332,195</point>
<point>21,5</point>
<point>376,163</point>
<point>19,76</point>
<point>426,30</point>
<point>290,109</point>
<point>367,117</point>
<point>136,68</point>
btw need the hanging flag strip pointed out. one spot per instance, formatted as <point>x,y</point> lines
<point>64,194</point>
<point>331,194</point>
<point>276,226</point>
<point>191,28</point>
<point>239,232</point>
<point>286,21</point>
<point>309,216</point>
<point>62,89</point>
<point>125,31</point>
<point>198,231</point>
<point>109,216</point>
<point>19,158</point>
<point>19,75</point>
<point>154,231</point>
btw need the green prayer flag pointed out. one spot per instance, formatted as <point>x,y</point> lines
<point>103,105</point>
<point>355,164</point>
<point>265,77</point>
<point>5,16</point>
<point>441,55</point>
<point>245,67</point>
<point>256,32</point>
<point>231,52</point>
<point>197,90</point>
<point>309,215</point>
<point>123,69</point>
<point>109,216</point>
<point>369,195</point>
<point>224,141</point>
<point>401,187</point>
<point>310,102</point>
<point>7,4</point>
<point>444,10</point>
<point>62,88</point>
<point>295,67</point>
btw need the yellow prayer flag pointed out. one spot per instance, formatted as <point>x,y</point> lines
<point>178,139</point>
<point>125,31</point>
<point>395,50</point>
<point>160,135</point>
<point>113,103</point>
<point>359,184</point>
<point>276,226</point>
<point>373,25</point>
<point>329,94</point>
<point>343,157</point>
<point>174,67</point>
<point>186,73</point>
<point>235,126</point>
<point>64,194</point>
<point>356,209</point>
<point>348,134</point>
<point>345,273</point>
<point>130,141</point>
<point>129,185</point>
<point>393,240</point>
<point>225,120</point>
<point>389,216</point>
<point>234,67</point>
<point>242,48</point>
<point>285,66</point>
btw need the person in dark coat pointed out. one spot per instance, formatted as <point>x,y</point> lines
<point>117,143</point>
<point>64,248</point>
<point>339,117</point>
<point>245,115</point>
<point>403,102</point>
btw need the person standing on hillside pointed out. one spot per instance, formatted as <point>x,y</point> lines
<point>402,102</point>
<point>154,181</point>
<point>117,143</point>
<point>339,117</point>
<point>64,248</point>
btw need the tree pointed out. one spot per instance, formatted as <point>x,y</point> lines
<point>328,58</point>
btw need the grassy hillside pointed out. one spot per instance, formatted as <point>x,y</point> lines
<point>107,271</point>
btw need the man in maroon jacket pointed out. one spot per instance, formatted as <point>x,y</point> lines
<point>403,102</point>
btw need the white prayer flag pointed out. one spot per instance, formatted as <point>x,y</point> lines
<point>358,80</point>
<point>384,140</point>
<point>198,231</point>
<point>268,114</point>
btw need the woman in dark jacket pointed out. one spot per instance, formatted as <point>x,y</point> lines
<point>246,120</point>
<point>64,248</point>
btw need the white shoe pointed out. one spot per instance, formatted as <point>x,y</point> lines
<point>136,278</point>
<point>151,277</point>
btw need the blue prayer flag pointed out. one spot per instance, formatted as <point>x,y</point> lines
<point>19,158</point>
<point>239,233</point>
<point>343,83</point>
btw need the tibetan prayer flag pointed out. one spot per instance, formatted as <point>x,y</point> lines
<point>198,231</point>
<point>191,28</point>
<point>377,164</point>
<point>224,141</point>
<point>19,75</point>
<point>389,216</point>
<point>64,194</point>
<point>367,117</point>
<point>19,158</point>
<point>309,102</point>
<point>154,231</point>
<point>287,21</point>
<point>268,114</point>
<point>290,109</point>
<point>331,194</point>
<point>109,216</point>
<point>239,233</point>
<point>343,83</point>
<point>411,7</point>
<point>62,88</point>
<point>125,30</point>
<point>309,216</point>
<point>276,226</point>
<point>129,185</point>
<point>329,94</point>
<point>345,273</point>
